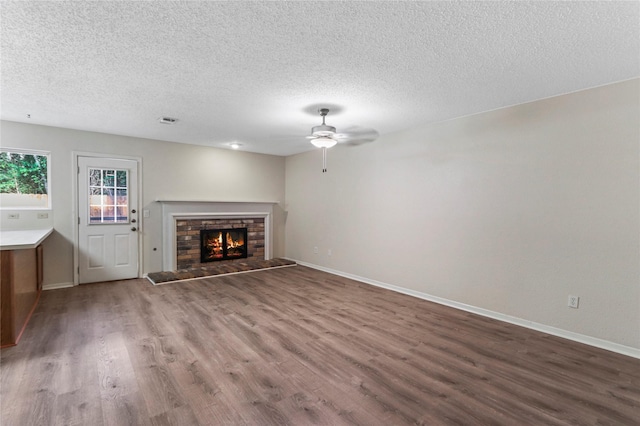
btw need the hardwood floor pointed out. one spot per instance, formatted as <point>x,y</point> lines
<point>297,346</point>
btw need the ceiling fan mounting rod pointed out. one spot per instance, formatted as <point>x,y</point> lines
<point>323,112</point>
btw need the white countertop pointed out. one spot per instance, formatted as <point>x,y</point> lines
<point>27,239</point>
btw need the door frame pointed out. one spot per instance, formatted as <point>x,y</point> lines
<point>75,207</point>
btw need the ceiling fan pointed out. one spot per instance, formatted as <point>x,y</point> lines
<point>325,136</point>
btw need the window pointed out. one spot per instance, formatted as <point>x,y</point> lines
<point>25,179</point>
<point>108,196</point>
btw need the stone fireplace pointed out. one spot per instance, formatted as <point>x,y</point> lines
<point>200,241</point>
<point>183,222</point>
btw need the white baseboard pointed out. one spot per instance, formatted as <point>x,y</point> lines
<point>56,286</point>
<point>577,337</point>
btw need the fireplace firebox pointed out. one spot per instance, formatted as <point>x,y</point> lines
<point>223,244</point>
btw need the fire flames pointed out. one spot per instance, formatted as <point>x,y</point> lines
<point>231,243</point>
<point>215,244</point>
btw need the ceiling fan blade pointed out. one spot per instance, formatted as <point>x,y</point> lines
<point>357,135</point>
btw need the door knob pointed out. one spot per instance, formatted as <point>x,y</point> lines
<point>134,229</point>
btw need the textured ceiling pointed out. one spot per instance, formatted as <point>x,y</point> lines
<point>254,72</point>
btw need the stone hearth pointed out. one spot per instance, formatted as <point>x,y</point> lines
<point>157,278</point>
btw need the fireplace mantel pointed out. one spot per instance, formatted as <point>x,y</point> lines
<point>174,201</point>
<point>173,210</point>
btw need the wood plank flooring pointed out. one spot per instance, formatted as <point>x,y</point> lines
<point>297,346</point>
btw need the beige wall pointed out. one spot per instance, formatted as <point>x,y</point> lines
<point>508,211</point>
<point>170,171</point>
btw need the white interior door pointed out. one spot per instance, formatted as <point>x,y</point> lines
<point>107,219</point>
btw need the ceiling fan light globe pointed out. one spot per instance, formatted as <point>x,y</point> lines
<point>323,142</point>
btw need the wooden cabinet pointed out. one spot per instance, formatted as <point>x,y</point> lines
<point>19,291</point>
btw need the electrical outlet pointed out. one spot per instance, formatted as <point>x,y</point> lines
<point>315,250</point>
<point>329,252</point>
<point>43,215</point>
<point>13,216</point>
<point>146,213</point>
<point>574,301</point>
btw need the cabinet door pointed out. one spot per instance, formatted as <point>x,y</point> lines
<point>19,292</point>
<point>7,335</point>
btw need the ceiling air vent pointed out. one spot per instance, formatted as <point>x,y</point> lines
<point>167,120</point>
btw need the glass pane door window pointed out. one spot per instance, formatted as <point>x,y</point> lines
<point>108,196</point>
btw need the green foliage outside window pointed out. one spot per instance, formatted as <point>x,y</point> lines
<point>23,173</point>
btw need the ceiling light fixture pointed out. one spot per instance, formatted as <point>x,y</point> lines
<point>167,120</point>
<point>323,136</point>
<point>235,145</point>
<point>323,142</point>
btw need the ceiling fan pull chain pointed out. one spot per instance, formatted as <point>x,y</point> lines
<point>324,160</point>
